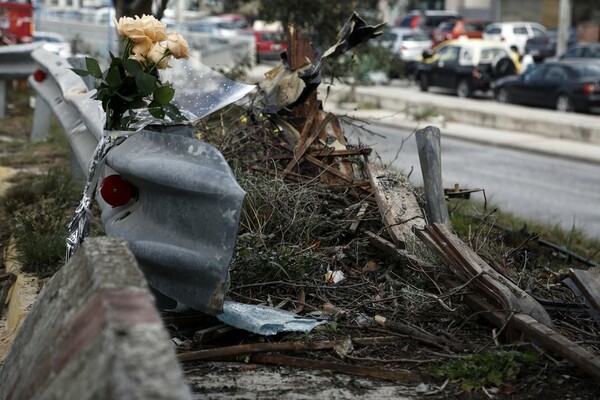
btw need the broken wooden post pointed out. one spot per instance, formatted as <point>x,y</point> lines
<point>430,155</point>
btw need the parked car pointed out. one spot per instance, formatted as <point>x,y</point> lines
<point>541,47</point>
<point>515,34</point>
<point>269,44</point>
<point>270,40</point>
<point>564,85</point>
<point>54,43</point>
<point>466,65</point>
<point>407,45</point>
<point>426,20</point>
<point>470,28</point>
<point>224,25</point>
<point>583,51</point>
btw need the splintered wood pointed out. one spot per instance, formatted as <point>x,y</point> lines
<point>397,204</point>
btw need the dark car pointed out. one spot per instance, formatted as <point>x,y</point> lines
<point>470,28</point>
<point>588,51</point>
<point>426,20</point>
<point>465,66</point>
<point>564,85</point>
<point>541,47</point>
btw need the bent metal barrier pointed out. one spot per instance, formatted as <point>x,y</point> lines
<point>183,210</point>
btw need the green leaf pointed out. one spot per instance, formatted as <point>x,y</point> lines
<point>113,78</point>
<point>163,95</point>
<point>132,66</point>
<point>81,72</point>
<point>145,83</point>
<point>126,98</point>
<point>137,102</point>
<point>174,113</point>
<point>157,112</point>
<point>93,67</point>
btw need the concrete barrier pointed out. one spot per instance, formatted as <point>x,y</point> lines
<point>94,333</point>
<point>477,112</point>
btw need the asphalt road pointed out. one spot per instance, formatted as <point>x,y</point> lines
<point>532,186</point>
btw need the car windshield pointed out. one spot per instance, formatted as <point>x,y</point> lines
<point>272,36</point>
<point>446,26</point>
<point>407,21</point>
<point>493,30</point>
<point>488,55</point>
<point>48,39</point>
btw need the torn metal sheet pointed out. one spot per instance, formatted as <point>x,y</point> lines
<point>264,320</point>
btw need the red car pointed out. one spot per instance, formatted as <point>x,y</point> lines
<point>269,44</point>
<point>470,28</point>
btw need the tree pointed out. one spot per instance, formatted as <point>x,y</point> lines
<point>322,19</point>
<point>130,8</point>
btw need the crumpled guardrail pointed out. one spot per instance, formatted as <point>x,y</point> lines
<point>181,223</point>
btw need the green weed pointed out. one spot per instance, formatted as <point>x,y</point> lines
<point>485,369</point>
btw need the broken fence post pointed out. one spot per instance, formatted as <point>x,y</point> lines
<point>430,156</point>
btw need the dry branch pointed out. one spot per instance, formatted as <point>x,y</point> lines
<point>392,375</point>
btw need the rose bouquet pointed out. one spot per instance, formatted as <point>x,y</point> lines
<point>132,82</point>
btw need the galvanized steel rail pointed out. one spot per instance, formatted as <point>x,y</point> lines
<point>181,220</point>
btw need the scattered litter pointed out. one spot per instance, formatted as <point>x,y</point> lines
<point>334,276</point>
<point>264,320</point>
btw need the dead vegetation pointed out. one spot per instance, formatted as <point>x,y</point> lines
<point>328,235</point>
<point>312,216</point>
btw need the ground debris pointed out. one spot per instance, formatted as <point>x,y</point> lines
<point>315,205</point>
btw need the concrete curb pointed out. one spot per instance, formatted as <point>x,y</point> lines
<point>549,123</point>
<point>94,332</point>
<point>535,143</point>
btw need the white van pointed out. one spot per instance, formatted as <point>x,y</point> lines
<point>515,34</point>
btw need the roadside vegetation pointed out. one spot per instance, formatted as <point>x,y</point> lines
<point>292,235</point>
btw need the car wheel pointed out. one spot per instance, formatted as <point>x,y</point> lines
<point>463,89</point>
<point>424,82</point>
<point>503,96</point>
<point>503,66</point>
<point>564,103</point>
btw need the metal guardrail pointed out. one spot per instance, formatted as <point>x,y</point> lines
<point>15,63</point>
<point>211,49</point>
<point>181,223</point>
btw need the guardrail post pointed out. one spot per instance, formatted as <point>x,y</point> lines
<point>2,98</point>
<point>42,115</point>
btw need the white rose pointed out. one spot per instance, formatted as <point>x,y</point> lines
<point>153,28</point>
<point>130,28</point>
<point>158,56</point>
<point>142,48</point>
<point>178,46</point>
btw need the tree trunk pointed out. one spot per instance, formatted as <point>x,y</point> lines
<point>131,8</point>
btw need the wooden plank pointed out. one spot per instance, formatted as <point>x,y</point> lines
<point>588,282</point>
<point>393,375</point>
<point>552,340</point>
<point>470,266</point>
<point>534,331</point>
<point>359,215</point>
<point>397,205</point>
<point>429,147</point>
